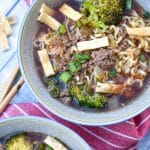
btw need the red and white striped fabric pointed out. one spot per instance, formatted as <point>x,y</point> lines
<point>122,136</point>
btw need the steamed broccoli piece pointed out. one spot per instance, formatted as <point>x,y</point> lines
<point>90,17</point>
<point>76,92</point>
<point>110,11</point>
<point>100,13</point>
<point>19,142</point>
<point>85,99</point>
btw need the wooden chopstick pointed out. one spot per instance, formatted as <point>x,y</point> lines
<point>9,83</point>
<point>11,94</point>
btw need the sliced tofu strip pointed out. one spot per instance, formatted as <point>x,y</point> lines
<point>4,41</point>
<point>109,88</point>
<point>49,21</point>
<point>12,20</point>
<point>46,10</point>
<point>93,44</point>
<point>55,144</point>
<point>46,64</point>
<point>141,31</point>
<point>70,12</point>
<point>7,27</point>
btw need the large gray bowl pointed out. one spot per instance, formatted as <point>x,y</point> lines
<point>40,125</point>
<point>31,77</point>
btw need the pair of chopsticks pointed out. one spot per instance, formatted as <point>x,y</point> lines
<point>9,92</point>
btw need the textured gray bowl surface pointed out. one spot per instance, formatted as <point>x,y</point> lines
<point>40,125</point>
<point>30,74</point>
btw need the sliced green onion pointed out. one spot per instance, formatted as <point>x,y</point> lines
<point>112,73</point>
<point>128,4</point>
<point>62,29</point>
<point>81,58</point>
<point>142,58</point>
<point>65,77</point>
<point>74,66</point>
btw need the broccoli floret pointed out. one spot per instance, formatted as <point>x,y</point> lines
<point>110,11</point>
<point>77,93</point>
<point>96,101</point>
<point>19,142</point>
<point>85,99</point>
<point>100,13</point>
<point>90,17</point>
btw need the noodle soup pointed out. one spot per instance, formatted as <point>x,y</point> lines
<point>88,64</point>
<point>31,141</point>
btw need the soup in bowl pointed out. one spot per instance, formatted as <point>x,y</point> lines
<point>86,61</point>
<point>34,133</point>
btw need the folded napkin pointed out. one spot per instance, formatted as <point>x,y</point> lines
<point>122,136</point>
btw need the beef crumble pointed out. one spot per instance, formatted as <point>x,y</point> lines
<point>104,58</point>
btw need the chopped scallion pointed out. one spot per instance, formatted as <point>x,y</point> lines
<point>65,77</point>
<point>74,66</point>
<point>81,58</point>
<point>112,73</point>
<point>128,4</point>
<point>142,58</point>
<point>62,29</point>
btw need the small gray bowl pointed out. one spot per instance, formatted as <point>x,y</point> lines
<point>40,125</point>
<point>30,74</point>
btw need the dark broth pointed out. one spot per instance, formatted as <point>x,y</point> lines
<point>116,101</point>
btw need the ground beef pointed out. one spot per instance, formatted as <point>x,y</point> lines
<point>123,45</point>
<point>63,62</point>
<point>74,37</point>
<point>64,93</point>
<point>74,34</point>
<point>104,58</point>
<point>66,100</point>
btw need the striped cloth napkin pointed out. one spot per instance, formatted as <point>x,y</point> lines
<point>122,136</point>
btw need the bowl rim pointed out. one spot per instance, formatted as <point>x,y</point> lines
<point>48,121</point>
<point>58,113</point>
